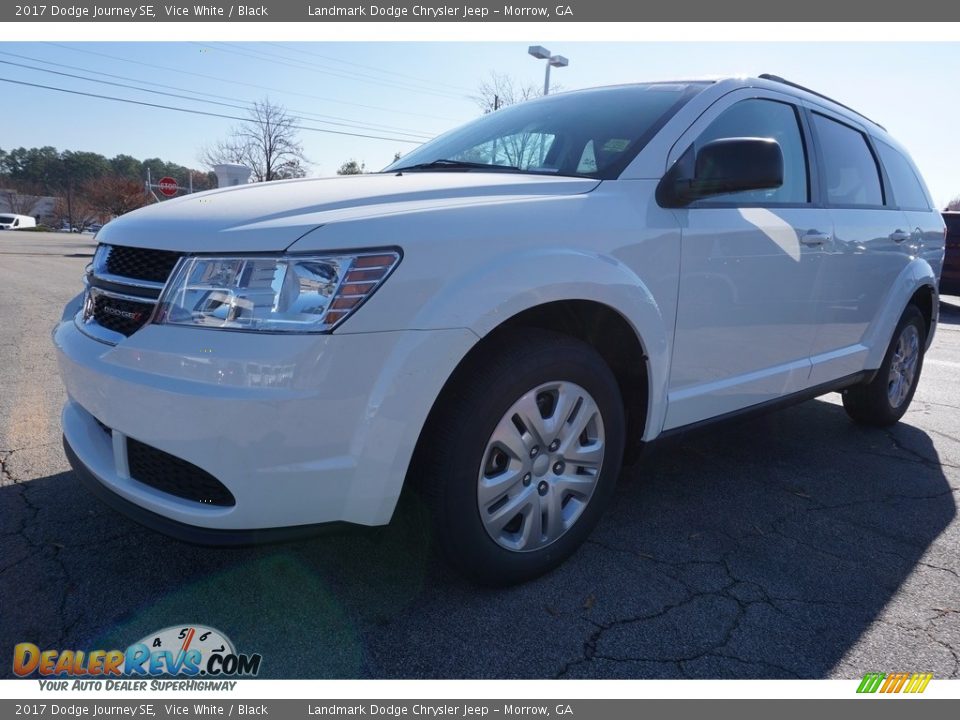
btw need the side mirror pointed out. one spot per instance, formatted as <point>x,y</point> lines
<point>728,165</point>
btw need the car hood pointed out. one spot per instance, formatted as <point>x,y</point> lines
<point>272,216</point>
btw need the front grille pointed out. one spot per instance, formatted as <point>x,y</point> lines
<point>141,264</point>
<point>120,315</point>
<point>170,474</point>
<point>124,285</point>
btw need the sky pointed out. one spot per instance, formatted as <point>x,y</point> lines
<point>404,92</point>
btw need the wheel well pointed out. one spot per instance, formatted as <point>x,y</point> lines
<point>923,299</point>
<point>601,327</point>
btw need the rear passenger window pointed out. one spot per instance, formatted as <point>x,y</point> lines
<point>908,193</point>
<point>764,119</point>
<point>851,170</point>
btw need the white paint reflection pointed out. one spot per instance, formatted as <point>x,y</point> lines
<point>780,232</point>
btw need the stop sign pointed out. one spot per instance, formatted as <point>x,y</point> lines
<point>167,186</point>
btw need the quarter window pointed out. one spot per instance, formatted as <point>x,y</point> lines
<point>850,168</point>
<point>764,119</point>
<point>908,193</point>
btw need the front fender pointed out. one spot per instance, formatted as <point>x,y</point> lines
<point>508,284</point>
<point>915,275</point>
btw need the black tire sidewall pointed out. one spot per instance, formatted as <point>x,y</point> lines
<point>911,316</point>
<point>488,397</point>
<point>870,404</point>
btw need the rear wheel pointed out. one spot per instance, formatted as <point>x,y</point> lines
<point>885,399</point>
<point>522,457</point>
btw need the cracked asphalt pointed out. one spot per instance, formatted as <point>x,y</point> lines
<point>795,545</point>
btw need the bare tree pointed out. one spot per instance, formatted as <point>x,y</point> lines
<point>267,143</point>
<point>954,204</point>
<point>114,195</point>
<point>75,213</point>
<point>20,203</point>
<point>500,90</point>
<point>522,149</point>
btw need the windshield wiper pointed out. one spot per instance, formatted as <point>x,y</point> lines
<point>444,164</point>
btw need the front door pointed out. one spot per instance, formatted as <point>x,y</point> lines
<point>750,263</point>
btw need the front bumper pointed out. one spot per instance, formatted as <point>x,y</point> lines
<point>302,429</point>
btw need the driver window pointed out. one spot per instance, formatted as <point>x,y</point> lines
<point>763,119</point>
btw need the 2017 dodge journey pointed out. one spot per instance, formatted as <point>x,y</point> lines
<point>499,317</point>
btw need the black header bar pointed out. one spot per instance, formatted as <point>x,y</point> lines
<point>476,11</point>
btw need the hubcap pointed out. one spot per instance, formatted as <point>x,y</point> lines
<point>903,366</point>
<point>563,423</point>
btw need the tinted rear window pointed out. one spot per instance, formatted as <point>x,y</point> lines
<point>908,193</point>
<point>851,170</point>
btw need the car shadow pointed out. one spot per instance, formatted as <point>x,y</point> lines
<point>950,310</point>
<point>763,549</point>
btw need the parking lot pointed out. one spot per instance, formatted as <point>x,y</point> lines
<point>795,545</point>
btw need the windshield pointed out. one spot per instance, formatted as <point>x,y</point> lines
<point>6,219</point>
<point>590,133</point>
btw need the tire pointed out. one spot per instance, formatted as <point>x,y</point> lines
<point>477,464</point>
<point>884,400</point>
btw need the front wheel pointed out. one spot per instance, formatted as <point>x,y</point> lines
<point>524,455</point>
<point>885,399</point>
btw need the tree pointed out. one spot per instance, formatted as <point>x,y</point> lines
<point>351,167</point>
<point>500,90</point>
<point>40,167</point>
<point>19,202</point>
<point>114,195</point>
<point>267,143</point>
<point>76,214</point>
<point>954,204</point>
<point>127,166</point>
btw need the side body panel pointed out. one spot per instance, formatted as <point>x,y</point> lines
<point>747,314</point>
<point>614,246</point>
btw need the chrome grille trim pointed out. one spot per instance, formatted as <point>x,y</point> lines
<point>101,283</point>
<point>121,280</point>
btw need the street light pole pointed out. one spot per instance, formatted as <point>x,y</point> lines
<point>541,53</point>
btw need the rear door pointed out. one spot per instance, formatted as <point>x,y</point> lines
<point>746,316</point>
<point>872,244</point>
<point>908,192</point>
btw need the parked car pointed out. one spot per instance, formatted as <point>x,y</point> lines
<point>950,276</point>
<point>16,222</point>
<point>498,318</point>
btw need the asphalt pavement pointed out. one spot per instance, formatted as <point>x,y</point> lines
<point>794,545</point>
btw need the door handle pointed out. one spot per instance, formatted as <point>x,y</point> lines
<point>815,237</point>
<point>899,235</point>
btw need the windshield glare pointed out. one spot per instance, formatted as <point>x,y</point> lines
<point>590,133</point>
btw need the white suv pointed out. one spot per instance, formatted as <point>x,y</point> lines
<point>496,319</point>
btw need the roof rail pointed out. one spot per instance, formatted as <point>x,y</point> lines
<point>784,81</point>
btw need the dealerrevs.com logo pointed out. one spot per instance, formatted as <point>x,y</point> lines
<point>192,651</point>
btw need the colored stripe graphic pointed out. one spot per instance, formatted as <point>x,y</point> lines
<point>871,682</point>
<point>913,683</point>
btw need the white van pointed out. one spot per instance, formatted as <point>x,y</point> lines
<point>16,222</point>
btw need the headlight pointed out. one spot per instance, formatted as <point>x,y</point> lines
<point>280,293</point>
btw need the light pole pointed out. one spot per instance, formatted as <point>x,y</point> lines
<point>541,53</point>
